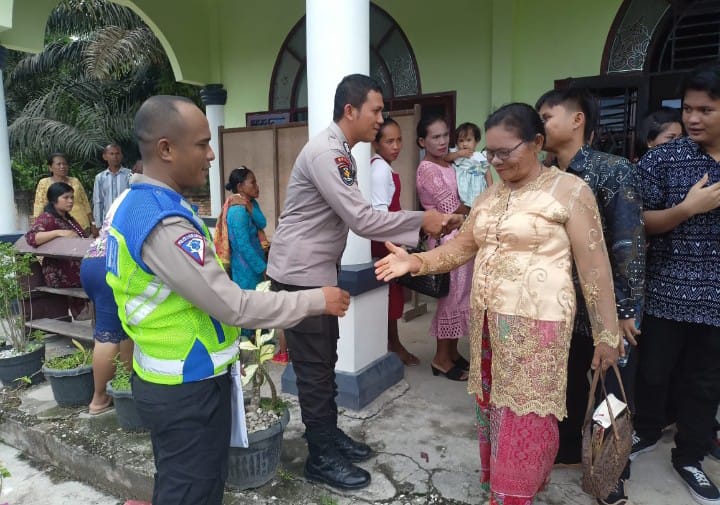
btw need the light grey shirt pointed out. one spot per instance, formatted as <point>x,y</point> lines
<point>107,188</point>
<point>323,202</point>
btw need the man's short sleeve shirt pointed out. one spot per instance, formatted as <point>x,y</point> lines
<point>683,265</point>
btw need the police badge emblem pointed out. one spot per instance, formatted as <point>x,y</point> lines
<point>346,169</point>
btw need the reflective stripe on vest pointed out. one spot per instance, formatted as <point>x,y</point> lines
<point>138,308</point>
<point>172,367</point>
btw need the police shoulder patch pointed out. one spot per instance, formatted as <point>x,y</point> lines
<point>193,244</point>
<point>346,169</point>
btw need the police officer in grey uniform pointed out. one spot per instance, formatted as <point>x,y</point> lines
<point>323,201</point>
<point>190,422</point>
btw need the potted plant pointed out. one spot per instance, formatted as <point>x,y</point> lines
<point>120,389</point>
<point>71,377</point>
<point>25,350</point>
<point>266,418</point>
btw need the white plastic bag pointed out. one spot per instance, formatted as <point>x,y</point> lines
<point>238,432</point>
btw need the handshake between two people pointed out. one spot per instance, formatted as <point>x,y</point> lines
<point>434,223</point>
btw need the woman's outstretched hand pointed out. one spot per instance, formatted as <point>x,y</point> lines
<point>396,264</point>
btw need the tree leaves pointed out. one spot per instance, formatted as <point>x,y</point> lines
<point>82,91</point>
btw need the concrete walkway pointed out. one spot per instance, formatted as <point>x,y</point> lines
<point>423,430</point>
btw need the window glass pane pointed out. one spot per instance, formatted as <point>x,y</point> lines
<point>301,98</point>
<point>397,58</point>
<point>297,44</point>
<point>284,78</point>
<point>379,73</point>
<point>379,26</point>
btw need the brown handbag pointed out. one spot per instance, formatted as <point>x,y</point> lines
<point>605,454</point>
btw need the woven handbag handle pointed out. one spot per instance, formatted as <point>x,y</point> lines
<point>599,374</point>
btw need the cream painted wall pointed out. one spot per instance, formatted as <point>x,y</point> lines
<point>23,23</point>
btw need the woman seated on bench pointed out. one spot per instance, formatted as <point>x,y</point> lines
<point>56,221</point>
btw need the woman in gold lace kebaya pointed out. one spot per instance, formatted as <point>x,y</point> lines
<point>524,234</point>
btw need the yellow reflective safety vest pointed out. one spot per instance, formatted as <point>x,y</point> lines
<point>175,342</point>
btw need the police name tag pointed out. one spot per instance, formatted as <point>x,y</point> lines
<point>193,244</point>
<point>111,255</point>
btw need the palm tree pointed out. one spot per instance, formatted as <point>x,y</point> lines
<point>99,63</point>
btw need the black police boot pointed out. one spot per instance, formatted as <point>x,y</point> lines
<point>325,463</point>
<point>352,449</point>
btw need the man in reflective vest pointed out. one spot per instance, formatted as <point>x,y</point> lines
<point>180,307</point>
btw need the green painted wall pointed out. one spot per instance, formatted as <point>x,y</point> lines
<point>555,39</point>
<point>251,34</point>
<point>488,51</point>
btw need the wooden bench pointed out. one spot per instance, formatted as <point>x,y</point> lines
<point>48,305</point>
<point>73,329</point>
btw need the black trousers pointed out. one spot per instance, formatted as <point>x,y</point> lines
<point>693,351</point>
<point>190,433</point>
<point>582,349</point>
<point>313,347</point>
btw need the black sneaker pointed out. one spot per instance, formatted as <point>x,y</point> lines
<point>700,486</point>
<point>616,497</point>
<point>640,445</point>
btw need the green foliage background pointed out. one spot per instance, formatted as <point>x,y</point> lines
<point>100,62</point>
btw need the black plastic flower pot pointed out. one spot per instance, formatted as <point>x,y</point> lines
<point>23,365</point>
<point>73,387</point>
<point>127,414</point>
<point>253,466</point>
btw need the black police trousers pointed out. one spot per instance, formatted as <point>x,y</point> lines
<point>190,433</point>
<point>313,350</point>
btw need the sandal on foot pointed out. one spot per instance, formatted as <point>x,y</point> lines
<point>454,374</point>
<point>461,362</point>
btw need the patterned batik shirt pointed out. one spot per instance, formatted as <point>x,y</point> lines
<point>683,265</point>
<point>616,185</point>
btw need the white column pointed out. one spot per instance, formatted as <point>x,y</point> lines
<point>214,97</point>
<point>338,44</point>
<point>8,213</point>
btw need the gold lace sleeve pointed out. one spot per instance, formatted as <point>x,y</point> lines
<point>591,258</point>
<point>453,253</point>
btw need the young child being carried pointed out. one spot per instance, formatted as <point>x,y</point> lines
<point>472,170</point>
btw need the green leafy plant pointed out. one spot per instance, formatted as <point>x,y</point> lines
<point>79,358</point>
<point>14,291</point>
<point>3,474</point>
<point>260,352</point>
<point>121,380</point>
<point>25,174</point>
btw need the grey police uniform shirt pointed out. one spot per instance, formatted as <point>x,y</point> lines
<point>208,287</point>
<point>323,201</point>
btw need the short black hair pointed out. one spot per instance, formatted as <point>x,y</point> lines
<point>576,99</point>
<point>518,117</point>
<point>656,122</point>
<point>237,176</point>
<point>353,90</point>
<point>468,127</point>
<point>704,77</point>
<point>157,116</point>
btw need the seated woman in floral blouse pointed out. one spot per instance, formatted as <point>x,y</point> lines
<point>56,221</point>
<point>524,233</point>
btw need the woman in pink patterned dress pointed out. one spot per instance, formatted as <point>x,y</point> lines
<point>437,189</point>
